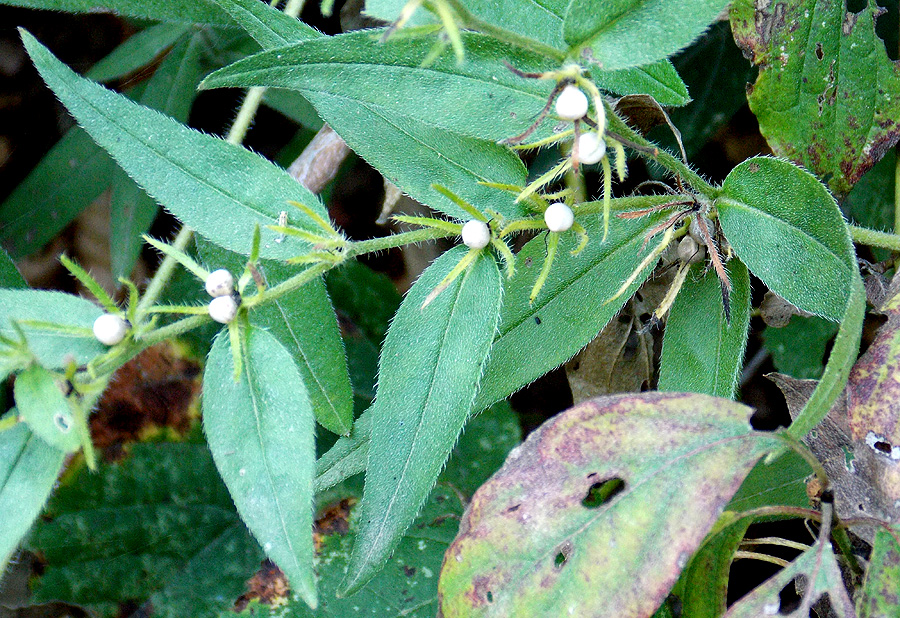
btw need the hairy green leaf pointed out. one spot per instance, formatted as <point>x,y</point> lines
<point>260,431</point>
<point>267,25</point>
<point>573,306</point>
<point>617,34</point>
<point>171,90</point>
<point>826,92</point>
<point>798,349</point>
<point>304,322</point>
<point>702,352</point>
<point>575,511</point>
<point>156,528</point>
<point>190,11</point>
<point>660,80</point>
<point>10,277</point>
<point>64,333</point>
<point>781,482</point>
<point>28,470</point>
<point>43,407</point>
<point>787,229</point>
<point>428,376</point>
<point>182,169</point>
<point>479,98</point>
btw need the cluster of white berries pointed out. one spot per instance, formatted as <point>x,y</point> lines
<point>572,104</point>
<point>220,285</point>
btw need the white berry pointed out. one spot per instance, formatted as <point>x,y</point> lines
<point>559,217</point>
<point>476,234</point>
<point>591,148</point>
<point>572,103</point>
<point>223,309</point>
<point>110,329</point>
<point>219,283</point>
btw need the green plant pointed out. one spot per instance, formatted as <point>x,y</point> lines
<point>634,483</point>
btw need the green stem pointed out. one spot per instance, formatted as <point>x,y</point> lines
<point>798,447</point>
<point>470,22</point>
<point>653,152</point>
<point>165,271</point>
<point>843,355</point>
<point>897,192</point>
<point>289,285</point>
<point>873,238</point>
<point>396,240</point>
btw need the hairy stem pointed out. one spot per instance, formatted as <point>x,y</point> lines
<point>873,238</point>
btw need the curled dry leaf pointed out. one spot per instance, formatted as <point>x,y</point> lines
<point>613,495</point>
<point>777,312</point>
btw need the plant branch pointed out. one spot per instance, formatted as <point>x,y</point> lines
<point>396,240</point>
<point>873,238</point>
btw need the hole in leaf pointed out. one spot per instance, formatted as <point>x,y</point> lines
<point>788,599</point>
<point>855,6</point>
<point>513,509</point>
<point>602,492</point>
<point>882,446</point>
<point>644,317</point>
<point>63,422</point>
<point>560,560</point>
<point>490,596</point>
<point>819,53</point>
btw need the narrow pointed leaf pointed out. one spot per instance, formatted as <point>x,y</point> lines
<point>479,98</point>
<point>430,367</point>
<point>28,470</point>
<point>260,431</point>
<point>304,322</point>
<point>572,307</point>
<point>188,11</point>
<point>702,352</point>
<point>825,96</point>
<point>183,169</point>
<point>823,576</point>
<point>43,407</point>
<point>574,510</point>
<point>53,348</point>
<point>787,229</point>
<point>155,529</point>
<point>171,90</point>
<point>267,25</point>
<point>10,277</point>
<point>628,33</point>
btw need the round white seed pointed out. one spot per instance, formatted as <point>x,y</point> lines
<point>591,148</point>
<point>222,309</point>
<point>476,234</point>
<point>559,217</point>
<point>572,103</point>
<point>110,329</point>
<point>219,283</point>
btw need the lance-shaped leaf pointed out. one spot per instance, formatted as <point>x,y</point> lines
<point>480,98</point>
<point>304,322</point>
<point>660,80</point>
<point>574,304</point>
<point>217,188</point>
<point>818,567</point>
<point>201,11</point>
<point>64,332</point>
<point>826,92</point>
<point>628,33</point>
<point>596,500</point>
<point>137,51</point>
<point>44,408</point>
<point>28,470</point>
<point>881,589</point>
<point>787,229</point>
<point>702,351</point>
<point>267,25</point>
<point>430,367</point>
<point>171,90</point>
<point>155,529</point>
<point>260,431</point>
